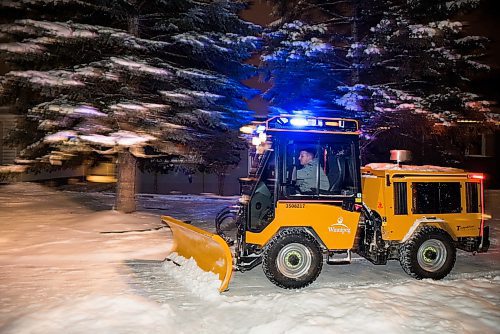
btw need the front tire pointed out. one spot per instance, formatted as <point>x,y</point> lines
<point>429,253</point>
<point>292,259</point>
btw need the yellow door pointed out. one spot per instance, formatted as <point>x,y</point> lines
<point>336,228</point>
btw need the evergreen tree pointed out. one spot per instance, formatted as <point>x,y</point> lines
<point>305,57</point>
<point>220,159</point>
<point>125,77</point>
<point>384,62</point>
<point>412,57</point>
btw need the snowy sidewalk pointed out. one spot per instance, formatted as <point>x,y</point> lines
<point>54,249</point>
<point>67,268</point>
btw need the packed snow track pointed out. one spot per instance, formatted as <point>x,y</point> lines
<point>68,263</point>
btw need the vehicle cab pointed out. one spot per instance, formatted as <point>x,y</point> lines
<point>272,192</point>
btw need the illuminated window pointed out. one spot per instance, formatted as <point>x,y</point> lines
<point>481,146</point>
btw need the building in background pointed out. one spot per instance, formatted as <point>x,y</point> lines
<point>7,122</point>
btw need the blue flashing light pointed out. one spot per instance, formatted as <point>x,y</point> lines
<point>299,121</point>
<point>261,128</point>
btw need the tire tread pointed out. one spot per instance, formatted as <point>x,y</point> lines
<point>407,249</point>
<point>267,265</point>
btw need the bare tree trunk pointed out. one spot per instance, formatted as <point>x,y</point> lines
<point>203,182</point>
<point>221,177</point>
<point>125,192</point>
<point>133,25</point>
<point>155,186</point>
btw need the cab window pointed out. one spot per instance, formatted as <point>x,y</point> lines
<point>262,203</point>
<point>320,169</point>
<point>436,197</point>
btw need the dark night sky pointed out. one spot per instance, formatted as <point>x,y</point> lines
<point>259,13</point>
<point>485,21</point>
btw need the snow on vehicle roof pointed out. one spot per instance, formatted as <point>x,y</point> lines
<point>423,168</point>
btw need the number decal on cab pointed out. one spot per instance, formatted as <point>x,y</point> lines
<point>295,205</point>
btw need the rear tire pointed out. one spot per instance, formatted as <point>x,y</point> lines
<point>292,259</point>
<point>429,253</point>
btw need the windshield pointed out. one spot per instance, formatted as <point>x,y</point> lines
<point>314,168</point>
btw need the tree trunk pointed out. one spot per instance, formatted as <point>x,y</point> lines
<point>133,25</point>
<point>220,183</point>
<point>155,186</point>
<point>203,182</point>
<point>125,191</point>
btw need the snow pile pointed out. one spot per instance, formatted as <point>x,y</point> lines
<point>97,314</point>
<point>469,306</point>
<point>201,283</point>
<point>65,268</point>
<point>414,306</point>
<point>424,168</point>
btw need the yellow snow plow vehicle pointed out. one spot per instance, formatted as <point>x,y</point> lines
<point>307,201</point>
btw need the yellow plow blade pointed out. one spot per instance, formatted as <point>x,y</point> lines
<point>210,251</point>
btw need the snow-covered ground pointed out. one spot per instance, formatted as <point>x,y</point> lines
<point>68,264</point>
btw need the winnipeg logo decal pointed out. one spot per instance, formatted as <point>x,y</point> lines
<point>339,227</point>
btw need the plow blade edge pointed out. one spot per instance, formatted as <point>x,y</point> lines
<point>210,251</point>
